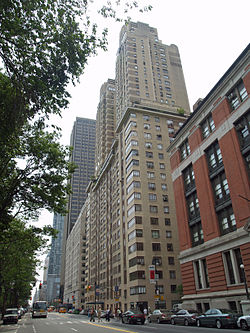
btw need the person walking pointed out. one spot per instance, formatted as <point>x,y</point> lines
<point>145,311</point>
<point>92,314</point>
<point>118,314</point>
<point>99,313</point>
<point>108,315</point>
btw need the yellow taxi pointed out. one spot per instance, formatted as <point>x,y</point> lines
<point>62,310</point>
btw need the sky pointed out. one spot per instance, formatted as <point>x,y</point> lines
<point>210,36</point>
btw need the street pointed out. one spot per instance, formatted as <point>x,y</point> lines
<point>68,323</point>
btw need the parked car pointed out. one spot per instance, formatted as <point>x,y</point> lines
<point>218,318</point>
<point>10,316</point>
<point>133,317</point>
<point>62,310</point>
<point>185,317</point>
<point>160,316</point>
<point>244,322</point>
<point>84,312</point>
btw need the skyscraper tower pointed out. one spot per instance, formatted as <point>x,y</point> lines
<point>83,155</point>
<point>54,265</point>
<point>133,222</point>
<point>148,72</point>
<point>105,123</point>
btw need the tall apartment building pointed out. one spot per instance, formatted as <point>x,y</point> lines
<point>210,170</point>
<point>132,214</point>
<point>74,289</point>
<point>55,255</point>
<point>105,123</point>
<point>83,155</point>
<point>148,72</point>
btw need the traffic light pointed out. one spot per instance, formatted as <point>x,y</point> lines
<point>88,287</point>
<point>40,285</point>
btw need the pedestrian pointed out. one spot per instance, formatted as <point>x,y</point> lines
<point>92,314</point>
<point>145,311</point>
<point>108,315</point>
<point>118,313</point>
<point>99,313</point>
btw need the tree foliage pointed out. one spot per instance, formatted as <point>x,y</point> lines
<point>18,248</point>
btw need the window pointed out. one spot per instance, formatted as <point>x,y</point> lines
<point>148,145</point>
<point>154,220</point>
<point>171,260</point>
<point>134,208</point>
<point>214,157</point>
<point>157,119</point>
<point>237,95</point>
<point>136,275</point>
<point>157,261</point>
<point>168,234</point>
<point>135,233</point>
<point>151,186</point>
<point>131,144</point>
<point>173,288</point>
<point>185,150</point>
<point>136,261</point>
<point>134,184</point>
<point>157,127</point>
<point>155,234</point>
<point>150,165</point>
<point>232,260</point>
<point>134,173</point>
<point>146,126</point>
<point>159,137</point>
<point>167,221</point>
<point>147,136</point>
<point>149,154</point>
<point>133,152</point>
<point>159,146</point>
<point>220,187</point>
<point>132,163</point>
<point>150,174</point>
<point>166,209</point>
<point>226,220</point>
<point>146,117</point>
<point>207,126</point>
<point>162,166</point>
<point>170,247</point>
<point>196,234</point>
<point>193,206</point>
<point>163,176</point>
<point>201,274</point>
<point>165,198</point>
<point>188,176</point>
<point>160,156</point>
<point>153,209</point>
<point>135,247</point>
<point>156,247</point>
<point>164,187</point>
<point>243,131</point>
<point>152,197</point>
<point>131,134</point>
<point>138,290</point>
<point>172,274</point>
<point>134,220</point>
<point>134,196</point>
<point>131,124</point>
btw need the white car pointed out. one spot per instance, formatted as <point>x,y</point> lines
<point>244,322</point>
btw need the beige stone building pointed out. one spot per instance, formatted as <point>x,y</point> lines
<point>132,221</point>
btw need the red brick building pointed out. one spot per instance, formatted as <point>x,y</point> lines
<point>210,161</point>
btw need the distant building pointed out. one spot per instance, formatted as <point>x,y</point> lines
<point>55,256</point>
<point>210,160</point>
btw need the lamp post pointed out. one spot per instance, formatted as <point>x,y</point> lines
<point>245,281</point>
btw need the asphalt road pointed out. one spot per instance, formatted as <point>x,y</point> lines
<point>68,323</point>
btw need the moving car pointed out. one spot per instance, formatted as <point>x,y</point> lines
<point>185,317</point>
<point>244,322</point>
<point>218,318</point>
<point>62,310</point>
<point>133,317</point>
<point>11,316</point>
<point>160,316</point>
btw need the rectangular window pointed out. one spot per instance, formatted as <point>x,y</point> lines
<point>226,220</point>
<point>171,260</point>
<point>201,274</point>
<point>157,261</point>
<point>232,261</point>
<point>150,165</point>
<point>185,150</point>
<point>166,209</point>
<point>150,175</point>
<point>153,209</point>
<point>154,220</point>
<point>136,261</point>
<point>220,187</point>
<point>188,177</point>
<point>149,154</point>
<point>237,95</point>
<point>207,126</point>
<point>193,206</point>
<point>167,221</point>
<point>156,247</point>
<point>214,157</point>
<point>170,247</point>
<point>134,196</point>
<point>152,197</point>
<point>196,233</point>
<point>168,234</point>
<point>134,220</point>
<point>138,290</point>
<point>155,234</point>
<point>151,186</point>
<point>172,275</point>
<point>131,164</point>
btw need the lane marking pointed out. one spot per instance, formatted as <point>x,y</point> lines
<point>112,328</point>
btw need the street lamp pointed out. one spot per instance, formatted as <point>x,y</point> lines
<point>245,281</point>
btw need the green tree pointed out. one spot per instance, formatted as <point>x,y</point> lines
<point>19,246</point>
